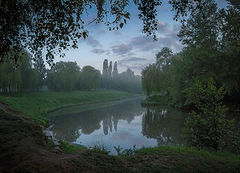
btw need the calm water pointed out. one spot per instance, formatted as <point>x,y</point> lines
<point>123,124</point>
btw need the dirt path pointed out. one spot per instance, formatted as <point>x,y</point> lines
<point>6,108</point>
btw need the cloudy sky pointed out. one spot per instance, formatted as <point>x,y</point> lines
<point>128,46</point>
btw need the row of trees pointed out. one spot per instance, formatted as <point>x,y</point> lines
<point>212,40</point>
<point>203,75</point>
<point>21,75</point>
<point>125,81</point>
<point>30,75</point>
<point>69,76</point>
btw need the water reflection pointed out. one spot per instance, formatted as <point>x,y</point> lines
<point>163,124</point>
<point>66,127</point>
<point>125,124</point>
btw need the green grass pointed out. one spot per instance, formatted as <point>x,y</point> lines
<point>70,148</point>
<point>156,100</point>
<point>86,107</point>
<point>36,105</point>
<point>158,159</point>
<point>165,159</point>
<point>183,159</point>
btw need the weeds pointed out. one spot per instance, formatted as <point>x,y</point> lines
<point>125,152</point>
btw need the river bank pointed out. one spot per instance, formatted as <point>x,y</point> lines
<point>37,104</point>
<point>24,148</point>
<point>157,100</point>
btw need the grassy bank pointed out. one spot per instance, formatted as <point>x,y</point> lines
<point>181,159</point>
<point>156,100</point>
<point>36,105</point>
<point>23,148</point>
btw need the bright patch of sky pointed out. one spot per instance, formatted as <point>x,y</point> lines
<point>128,46</point>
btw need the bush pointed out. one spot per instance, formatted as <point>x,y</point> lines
<point>207,127</point>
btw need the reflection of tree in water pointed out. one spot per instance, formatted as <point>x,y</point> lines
<point>69,127</point>
<point>163,124</point>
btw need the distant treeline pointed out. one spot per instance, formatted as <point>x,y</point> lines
<point>21,75</point>
<point>125,81</point>
<point>29,75</point>
<point>212,51</point>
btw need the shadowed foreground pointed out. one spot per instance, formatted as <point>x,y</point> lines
<point>24,148</point>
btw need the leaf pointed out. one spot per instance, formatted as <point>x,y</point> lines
<point>121,25</point>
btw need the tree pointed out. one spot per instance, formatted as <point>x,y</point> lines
<point>90,78</point>
<point>58,25</point>
<point>163,58</point>
<point>230,48</point>
<point>11,78</point>
<point>201,29</point>
<point>155,77</point>
<point>207,126</point>
<point>63,76</point>
<point>106,74</point>
<point>125,81</point>
<point>39,66</point>
<point>213,37</point>
<point>115,70</point>
<point>110,70</point>
<point>105,68</point>
<point>20,76</point>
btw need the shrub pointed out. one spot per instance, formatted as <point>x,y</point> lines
<point>207,127</point>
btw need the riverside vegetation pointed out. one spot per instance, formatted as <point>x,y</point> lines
<point>36,105</point>
<point>202,77</point>
<point>25,148</point>
<point>23,138</point>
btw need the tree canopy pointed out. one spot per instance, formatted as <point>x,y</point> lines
<point>211,38</point>
<point>59,24</point>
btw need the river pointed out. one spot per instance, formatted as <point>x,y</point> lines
<point>121,123</point>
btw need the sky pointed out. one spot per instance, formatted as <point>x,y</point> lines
<point>129,47</point>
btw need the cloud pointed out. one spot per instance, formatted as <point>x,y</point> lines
<point>163,27</point>
<point>102,31</point>
<point>136,67</point>
<point>91,41</point>
<point>98,51</point>
<point>143,43</point>
<point>132,59</point>
<point>137,64</point>
<point>116,32</point>
<point>121,49</point>
<point>167,38</point>
<point>171,42</point>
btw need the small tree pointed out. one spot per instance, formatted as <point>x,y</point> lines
<point>207,126</point>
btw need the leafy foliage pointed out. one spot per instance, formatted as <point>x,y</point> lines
<point>58,25</point>
<point>63,76</point>
<point>68,76</point>
<point>20,76</point>
<point>207,126</point>
<point>155,76</point>
<point>89,78</point>
<point>211,53</point>
<point>212,38</point>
